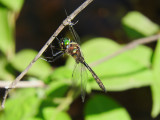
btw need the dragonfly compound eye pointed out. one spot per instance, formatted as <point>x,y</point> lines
<point>65,43</point>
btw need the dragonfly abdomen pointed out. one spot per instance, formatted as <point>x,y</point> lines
<point>95,76</point>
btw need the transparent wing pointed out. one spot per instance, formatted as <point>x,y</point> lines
<point>76,75</point>
<point>80,76</point>
<point>74,34</point>
<point>84,78</point>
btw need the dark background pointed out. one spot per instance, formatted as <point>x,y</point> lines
<point>39,19</point>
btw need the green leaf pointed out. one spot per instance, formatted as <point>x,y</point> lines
<point>4,74</point>
<point>40,68</point>
<point>137,25</point>
<point>34,118</point>
<point>22,105</point>
<point>104,108</point>
<point>125,71</point>
<point>156,81</point>
<point>61,73</point>
<point>7,44</point>
<point>56,89</point>
<point>51,113</point>
<point>15,5</point>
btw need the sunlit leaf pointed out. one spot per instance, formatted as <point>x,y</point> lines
<point>156,81</point>
<point>125,71</point>
<point>5,74</point>
<point>22,59</point>
<point>51,113</point>
<point>22,106</point>
<point>34,118</point>
<point>61,73</point>
<point>104,108</point>
<point>56,89</point>
<point>7,44</point>
<point>15,5</point>
<point>137,25</point>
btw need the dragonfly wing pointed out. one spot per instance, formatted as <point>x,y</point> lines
<point>84,78</point>
<point>76,75</point>
<point>80,77</point>
<point>74,34</point>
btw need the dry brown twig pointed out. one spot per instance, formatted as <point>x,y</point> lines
<point>66,22</point>
<point>24,84</point>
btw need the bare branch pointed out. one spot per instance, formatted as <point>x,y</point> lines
<point>128,47</point>
<point>24,84</point>
<point>66,22</point>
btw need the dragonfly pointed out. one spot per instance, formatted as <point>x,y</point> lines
<point>72,48</point>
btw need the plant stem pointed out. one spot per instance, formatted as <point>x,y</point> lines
<point>129,46</point>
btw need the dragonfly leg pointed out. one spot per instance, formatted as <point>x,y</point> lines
<point>53,47</point>
<point>73,23</point>
<point>54,57</point>
<point>59,41</point>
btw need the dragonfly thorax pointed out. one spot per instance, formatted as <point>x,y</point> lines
<point>75,52</point>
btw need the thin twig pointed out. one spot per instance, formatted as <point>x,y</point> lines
<point>128,47</point>
<point>66,22</point>
<point>24,84</point>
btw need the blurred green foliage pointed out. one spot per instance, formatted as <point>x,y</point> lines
<point>156,81</point>
<point>132,69</point>
<point>133,23</point>
<point>105,108</point>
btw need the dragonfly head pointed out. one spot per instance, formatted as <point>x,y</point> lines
<point>65,43</point>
